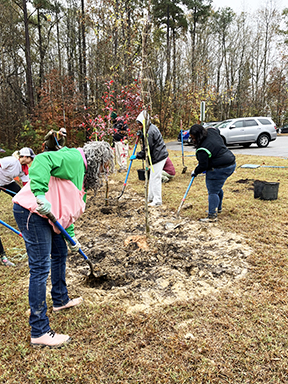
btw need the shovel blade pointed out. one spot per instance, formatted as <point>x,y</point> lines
<point>184,170</point>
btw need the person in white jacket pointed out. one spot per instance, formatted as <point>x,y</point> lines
<point>157,157</point>
<point>11,167</point>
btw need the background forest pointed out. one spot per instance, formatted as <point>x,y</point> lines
<point>70,63</point>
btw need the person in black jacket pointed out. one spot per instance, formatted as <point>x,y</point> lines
<point>157,155</point>
<point>217,161</point>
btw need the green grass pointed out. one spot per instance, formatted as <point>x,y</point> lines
<point>238,336</point>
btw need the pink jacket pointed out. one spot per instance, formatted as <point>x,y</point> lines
<point>66,199</point>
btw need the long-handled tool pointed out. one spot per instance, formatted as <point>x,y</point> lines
<point>68,237</point>
<point>12,229</point>
<point>184,166</point>
<point>185,195</point>
<point>126,178</point>
<point>8,190</point>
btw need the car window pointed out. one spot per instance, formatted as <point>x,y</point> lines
<point>250,123</point>
<point>239,124</point>
<point>224,124</point>
<point>265,121</point>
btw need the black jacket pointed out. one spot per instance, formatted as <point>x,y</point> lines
<point>157,146</point>
<point>120,131</point>
<point>213,153</point>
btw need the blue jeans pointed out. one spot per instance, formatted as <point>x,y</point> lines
<point>41,242</point>
<point>215,180</point>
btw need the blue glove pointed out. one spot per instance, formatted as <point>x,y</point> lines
<point>193,174</point>
<point>133,157</point>
<point>44,207</point>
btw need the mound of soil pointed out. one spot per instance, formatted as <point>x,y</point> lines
<point>181,259</point>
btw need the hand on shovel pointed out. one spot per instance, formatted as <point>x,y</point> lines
<point>44,207</point>
<point>76,246</point>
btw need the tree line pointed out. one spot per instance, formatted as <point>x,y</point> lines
<point>71,63</point>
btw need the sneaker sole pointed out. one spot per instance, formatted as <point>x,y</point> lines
<point>55,310</point>
<point>39,346</point>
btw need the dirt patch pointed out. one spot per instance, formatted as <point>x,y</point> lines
<point>180,260</point>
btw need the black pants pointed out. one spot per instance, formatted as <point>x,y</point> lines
<point>1,248</point>
<point>11,188</point>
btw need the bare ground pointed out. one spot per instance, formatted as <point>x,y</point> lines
<point>180,260</point>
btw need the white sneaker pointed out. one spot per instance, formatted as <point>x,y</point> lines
<point>51,340</point>
<point>154,205</point>
<point>70,304</point>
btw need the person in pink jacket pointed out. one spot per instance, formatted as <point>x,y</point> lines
<point>58,181</point>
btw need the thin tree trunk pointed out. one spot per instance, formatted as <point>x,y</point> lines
<point>30,93</point>
<point>41,64</point>
<point>84,66</point>
<point>168,57</point>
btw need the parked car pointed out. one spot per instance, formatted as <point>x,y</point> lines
<point>187,139</point>
<point>283,129</point>
<point>248,130</point>
<point>185,136</point>
<point>211,124</point>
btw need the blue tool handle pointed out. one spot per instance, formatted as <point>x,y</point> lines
<point>56,140</point>
<point>189,186</point>
<point>65,233</point>
<point>8,190</point>
<point>9,227</point>
<point>182,141</point>
<point>130,164</point>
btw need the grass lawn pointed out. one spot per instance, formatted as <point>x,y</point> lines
<point>237,336</point>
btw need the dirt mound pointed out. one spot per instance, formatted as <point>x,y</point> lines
<point>181,259</point>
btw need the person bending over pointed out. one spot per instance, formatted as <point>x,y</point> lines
<point>58,181</point>
<point>11,167</point>
<point>217,161</point>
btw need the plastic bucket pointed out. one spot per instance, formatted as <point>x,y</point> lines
<point>141,174</point>
<point>265,190</point>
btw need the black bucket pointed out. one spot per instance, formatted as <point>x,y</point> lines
<point>141,174</point>
<point>265,190</point>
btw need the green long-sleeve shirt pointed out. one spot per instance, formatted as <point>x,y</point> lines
<point>67,163</point>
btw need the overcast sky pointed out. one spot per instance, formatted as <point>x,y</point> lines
<point>248,5</point>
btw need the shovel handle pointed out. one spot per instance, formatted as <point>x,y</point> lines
<point>8,190</point>
<point>129,168</point>
<point>64,232</point>
<point>9,227</point>
<point>185,195</point>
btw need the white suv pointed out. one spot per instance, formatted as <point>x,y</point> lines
<point>248,130</point>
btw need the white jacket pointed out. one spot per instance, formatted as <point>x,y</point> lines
<point>10,168</point>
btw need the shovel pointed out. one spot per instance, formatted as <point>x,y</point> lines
<point>68,237</point>
<point>185,195</point>
<point>184,166</point>
<point>126,178</point>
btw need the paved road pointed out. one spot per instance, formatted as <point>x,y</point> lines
<point>278,148</point>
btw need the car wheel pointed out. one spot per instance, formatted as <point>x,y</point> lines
<point>246,145</point>
<point>263,140</point>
